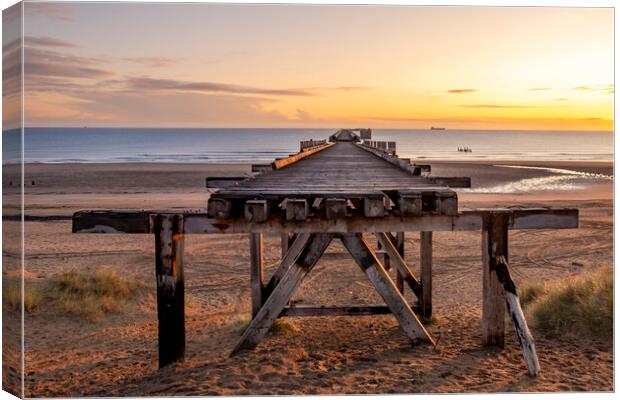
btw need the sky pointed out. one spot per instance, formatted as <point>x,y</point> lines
<point>226,65</point>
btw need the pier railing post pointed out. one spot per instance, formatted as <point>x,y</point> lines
<point>426,272</point>
<point>256,271</point>
<point>168,230</point>
<point>494,246</point>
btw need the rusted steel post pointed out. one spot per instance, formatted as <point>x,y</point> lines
<point>494,246</point>
<point>400,246</point>
<point>426,272</point>
<point>256,271</point>
<point>168,230</point>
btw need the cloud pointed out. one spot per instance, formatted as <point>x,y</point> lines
<point>153,61</point>
<point>46,41</point>
<point>461,91</point>
<point>562,99</point>
<point>502,106</point>
<point>538,89</point>
<point>60,11</point>
<point>606,88</point>
<point>147,83</point>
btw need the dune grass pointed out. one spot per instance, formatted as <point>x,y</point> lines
<point>580,306</point>
<point>92,294</point>
<point>11,295</point>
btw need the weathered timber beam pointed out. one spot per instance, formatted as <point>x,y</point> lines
<point>201,223</point>
<point>277,164</point>
<point>307,310</point>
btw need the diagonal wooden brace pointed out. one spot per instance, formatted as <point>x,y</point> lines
<point>367,260</point>
<point>400,263</point>
<point>275,303</point>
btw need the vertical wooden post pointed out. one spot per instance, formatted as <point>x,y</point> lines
<point>494,245</point>
<point>287,240</point>
<point>400,246</point>
<point>426,272</point>
<point>168,229</point>
<point>256,271</point>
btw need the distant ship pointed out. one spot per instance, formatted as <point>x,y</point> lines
<point>436,128</point>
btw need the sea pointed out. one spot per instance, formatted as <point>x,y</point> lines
<point>260,145</point>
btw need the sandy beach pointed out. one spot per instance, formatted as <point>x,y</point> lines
<point>117,356</point>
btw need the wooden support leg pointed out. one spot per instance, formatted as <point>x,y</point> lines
<point>366,258</point>
<point>426,272</point>
<point>256,271</point>
<point>170,287</point>
<point>260,325</point>
<point>286,242</point>
<point>400,246</point>
<point>494,245</point>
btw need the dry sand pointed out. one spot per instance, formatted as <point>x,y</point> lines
<point>117,356</point>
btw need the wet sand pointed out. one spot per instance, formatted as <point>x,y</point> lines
<point>117,356</point>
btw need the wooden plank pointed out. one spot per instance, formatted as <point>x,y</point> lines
<point>111,222</point>
<point>426,272</point>
<point>168,230</point>
<point>307,310</point>
<point>275,303</point>
<point>494,245</point>
<point>400,264</point>
<point>526,340</point>
<point>410,202</point>
<point>278,164</point>
<point>256,271</point>
<point>363,254</point>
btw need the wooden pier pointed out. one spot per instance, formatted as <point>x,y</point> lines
<point>345,190</point>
